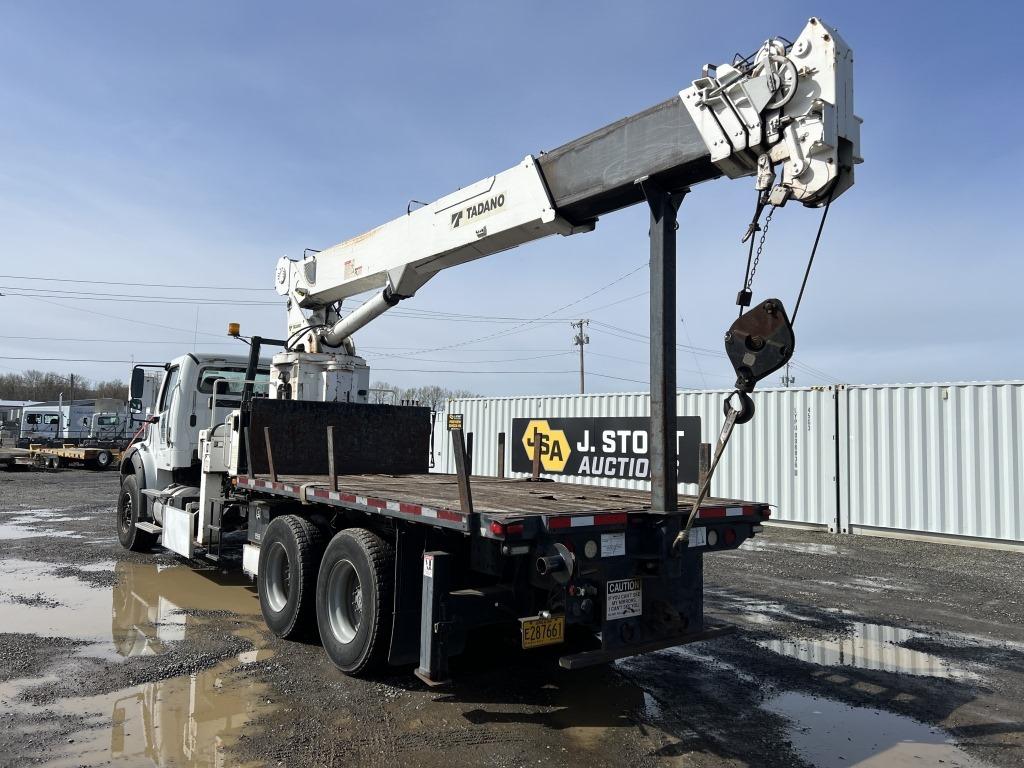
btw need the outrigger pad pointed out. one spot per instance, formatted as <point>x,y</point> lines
<point>368,439</point>
<point>759,343</point>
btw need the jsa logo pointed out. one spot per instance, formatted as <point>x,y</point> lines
<point>554,447</point>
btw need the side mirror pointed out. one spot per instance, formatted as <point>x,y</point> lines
<point>135,391</point>
<point>135,404</point>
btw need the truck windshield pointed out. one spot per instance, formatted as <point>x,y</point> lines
<point>235,380</point>
<point>106,421</point>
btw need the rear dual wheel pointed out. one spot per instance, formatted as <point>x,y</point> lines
<point>286,580</point>
<point>348,589</point>
<point>354,603</point>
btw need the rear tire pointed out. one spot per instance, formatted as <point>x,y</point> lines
<point>354,607</point>
<point>129,512</point>
<point>289,557</point>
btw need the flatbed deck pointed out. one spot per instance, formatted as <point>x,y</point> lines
<point>437,496</point>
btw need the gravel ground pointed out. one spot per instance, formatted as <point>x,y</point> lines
<point>849,651</point>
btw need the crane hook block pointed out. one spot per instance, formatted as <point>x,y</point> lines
<point>759,343</point>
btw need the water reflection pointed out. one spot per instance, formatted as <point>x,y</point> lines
<point>190,720</point>
<point>869,646</point>
<point>829,734</point>
<point>152,605</point>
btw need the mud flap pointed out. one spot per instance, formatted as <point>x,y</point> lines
<point>405,630</point>
<point>177,529</point>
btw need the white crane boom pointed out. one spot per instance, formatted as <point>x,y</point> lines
<point>787,109</point>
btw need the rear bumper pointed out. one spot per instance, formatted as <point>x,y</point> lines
<point>591,658</point>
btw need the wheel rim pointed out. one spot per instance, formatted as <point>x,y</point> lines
<point>126,511</point>
<point>278,573</point>
<point>344,601</point>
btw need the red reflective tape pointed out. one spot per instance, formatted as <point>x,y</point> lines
<point>378,503</point>
<point>445,514</point>
<point>713,512</point>
<point>610,518</point>
<point>349,497</point>
<point>559,522</point>
<point>410,509</point>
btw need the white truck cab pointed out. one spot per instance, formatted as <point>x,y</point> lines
<point>167,457</point>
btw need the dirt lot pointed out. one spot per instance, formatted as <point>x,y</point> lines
<point>850,651</point>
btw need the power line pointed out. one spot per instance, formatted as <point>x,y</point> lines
<point>125,319</point>
<point>62,359</point>
<point>523,326</point>
<point>138,299</point>
<point>464,370</point>
<point>696,360</point>
<point>500,360</point>
<point>137,285</point>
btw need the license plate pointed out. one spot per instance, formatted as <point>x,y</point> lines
<point>539,631</point>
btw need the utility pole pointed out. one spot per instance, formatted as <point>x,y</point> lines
<point>787,380</point>
<point>580,339</point>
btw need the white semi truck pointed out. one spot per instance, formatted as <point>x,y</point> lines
<point>328,497</point>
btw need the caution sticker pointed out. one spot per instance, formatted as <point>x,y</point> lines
<point>623,599</point>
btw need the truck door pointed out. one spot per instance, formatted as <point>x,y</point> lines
<point>167,410</point>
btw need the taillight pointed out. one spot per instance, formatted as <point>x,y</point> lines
<point>729,536</point>
<point>506,529</point>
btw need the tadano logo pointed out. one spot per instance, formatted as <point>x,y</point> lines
<point>477,210</point>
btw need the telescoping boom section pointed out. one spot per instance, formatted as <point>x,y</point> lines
<point>784,115</point>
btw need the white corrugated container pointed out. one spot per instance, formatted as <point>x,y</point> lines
<point>786,456</point>
<point>936,459</point>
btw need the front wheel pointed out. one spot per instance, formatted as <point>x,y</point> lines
<point>354,608</point>
<point>129,512</point>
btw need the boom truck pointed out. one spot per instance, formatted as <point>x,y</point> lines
<point>328,497</point>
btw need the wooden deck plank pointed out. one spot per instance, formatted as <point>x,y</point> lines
<point>494,495</point>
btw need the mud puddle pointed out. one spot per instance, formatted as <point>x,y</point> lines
<point>189,720</point>
<point>182,721</point>
<point>829,734</point>
<point>870,646</point>
<point>141,613</point>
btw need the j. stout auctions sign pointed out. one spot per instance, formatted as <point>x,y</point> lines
<point>600,446</point>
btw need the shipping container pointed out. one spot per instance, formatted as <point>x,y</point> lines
<point>934,459</point>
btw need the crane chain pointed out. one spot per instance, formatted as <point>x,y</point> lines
<point>749,283</point>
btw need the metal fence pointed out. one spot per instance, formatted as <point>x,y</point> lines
<point>931,459</point>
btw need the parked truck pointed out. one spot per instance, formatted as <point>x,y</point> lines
<point>326,499</point>
<point>95,421</point>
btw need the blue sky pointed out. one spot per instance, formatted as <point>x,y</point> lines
<point>194,143</point>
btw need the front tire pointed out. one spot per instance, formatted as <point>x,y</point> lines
<point>354,607</point>
<point>104,459</point>
<point>286,578</point>
<point>129,512</point>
